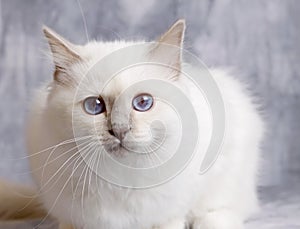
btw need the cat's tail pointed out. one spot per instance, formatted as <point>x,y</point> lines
<point>19,203</point>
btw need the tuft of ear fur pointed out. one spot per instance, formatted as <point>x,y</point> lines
<point>64,55</point>
<point>169,46</point>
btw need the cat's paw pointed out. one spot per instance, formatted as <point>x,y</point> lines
<point>65,226</point>
<point>218,220</point>
<point>174,224</point>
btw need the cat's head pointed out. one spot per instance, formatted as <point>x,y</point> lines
<point>85,100</point>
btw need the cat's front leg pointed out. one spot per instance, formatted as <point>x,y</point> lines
<point>219,219</point>
<point>173,224</point>
<point>65,226</point>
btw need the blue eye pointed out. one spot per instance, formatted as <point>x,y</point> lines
<point>94,105</point>
<point>142,102</point>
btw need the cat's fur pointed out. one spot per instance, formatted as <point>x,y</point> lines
<point>222,198</point>
<point>18,202</point>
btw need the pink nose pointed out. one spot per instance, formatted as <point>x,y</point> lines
<point>119,131</point>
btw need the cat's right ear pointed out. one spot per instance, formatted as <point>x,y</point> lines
<point>64,54</point>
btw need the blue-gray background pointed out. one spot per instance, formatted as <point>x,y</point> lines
<point>259,38</point>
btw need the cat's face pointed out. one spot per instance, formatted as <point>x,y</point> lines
<point>123,113</point>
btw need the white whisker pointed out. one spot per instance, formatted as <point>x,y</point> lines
<point>78,152</point>
<point>84,20</point>
<point>54,146</point>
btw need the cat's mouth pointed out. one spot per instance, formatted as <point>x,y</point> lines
<point>113,144</point>
<point>118,147</point>
<point>121,145</point>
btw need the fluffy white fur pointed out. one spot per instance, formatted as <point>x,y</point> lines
<point>222,198</point>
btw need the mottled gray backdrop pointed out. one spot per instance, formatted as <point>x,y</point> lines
<point>259,38</point>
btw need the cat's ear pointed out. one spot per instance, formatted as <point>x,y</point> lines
<point>169,45</point>
<point>175,34</point>
<point>64,55</point>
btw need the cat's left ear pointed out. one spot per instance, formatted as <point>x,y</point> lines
<point>64,55</point>
<point>170,44</point>
<point>175,34</point>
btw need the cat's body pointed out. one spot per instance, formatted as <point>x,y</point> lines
<point>222,198</point>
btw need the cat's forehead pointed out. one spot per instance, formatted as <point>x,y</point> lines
<point>96,50</point>
<point>101,80</point>
<point>124,80</point>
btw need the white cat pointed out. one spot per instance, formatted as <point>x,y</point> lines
<point>72,192</point>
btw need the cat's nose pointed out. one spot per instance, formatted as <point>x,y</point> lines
<point>120,131</point>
